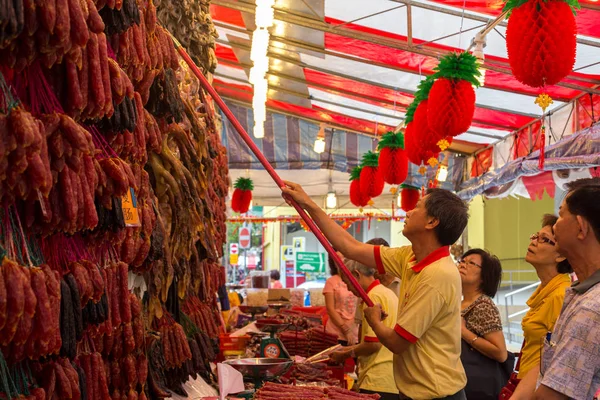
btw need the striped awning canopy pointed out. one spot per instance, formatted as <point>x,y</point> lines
<point>355,64</point>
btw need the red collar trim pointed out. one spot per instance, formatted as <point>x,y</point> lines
<point>373,284</point>
<point>432,257</point>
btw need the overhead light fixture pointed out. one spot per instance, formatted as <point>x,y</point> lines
<point>480,42</point>
<point>259,130</point>
<point>320,141</point>
<point>331,201</point>
<point>258,54</point>
<point>442,173</point>
<point>398,201</point>
<point>319,145</point>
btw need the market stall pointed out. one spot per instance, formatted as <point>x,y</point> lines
<point>120,122</point>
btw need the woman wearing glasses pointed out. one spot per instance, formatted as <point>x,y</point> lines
<point>544,304</point>
<point>483,345</point>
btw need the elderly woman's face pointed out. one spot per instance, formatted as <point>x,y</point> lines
<point>469,268</point>
<point>542,248</point>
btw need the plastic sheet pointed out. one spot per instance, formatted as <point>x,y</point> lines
<point>580,150</point>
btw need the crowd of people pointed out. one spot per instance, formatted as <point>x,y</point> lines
<point>434,331</point>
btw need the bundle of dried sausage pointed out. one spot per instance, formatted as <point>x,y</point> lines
<point>119,20</point>
<point>50,29</point>
<point>70,205</point>
<point>24,161</point>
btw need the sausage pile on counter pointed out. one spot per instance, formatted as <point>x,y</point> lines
<point>273,391</point>
<point>112,173</point>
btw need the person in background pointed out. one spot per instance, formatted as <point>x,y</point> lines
<point>275,276</point>
<point>390,281</point>
<point>426,338</point>
<point>570,362</point>
<point>341,307</point>
<point>544,304</point>
<point>387,280</point>
<point>480,274</point>
<point>375,362</point>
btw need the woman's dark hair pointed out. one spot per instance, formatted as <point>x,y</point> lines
<point>563,267</point>
<point>451,212</point>
<point>275,275</point>
<point>378,242</point>
<point>491,271</point>
<point>333,268</point>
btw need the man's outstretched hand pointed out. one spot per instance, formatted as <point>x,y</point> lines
<point>293,191</point>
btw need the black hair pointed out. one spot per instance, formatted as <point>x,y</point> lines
<point>582,200</point>
<point>275,275</point>
<point>451,212</point>
<point>333,268</point>
<point>491,271</point>
<point>563,267</point>
<point>378,242</point>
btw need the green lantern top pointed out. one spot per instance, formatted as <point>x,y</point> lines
<point>405,186</point>
<point>421,94</point>
<point>463,66</point>
<point>244,184</point>
<point>392,140</point>
<point>370,159</point>
<point>512,4</point>
<point>355,173</point>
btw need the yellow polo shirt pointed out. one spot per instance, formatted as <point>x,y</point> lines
<point>545,305</point>
<point>429,318</point>
<point>376,372</point>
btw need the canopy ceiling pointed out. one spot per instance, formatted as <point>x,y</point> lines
<point>355,65</point>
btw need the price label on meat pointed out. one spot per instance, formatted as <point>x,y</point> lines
<point>130,211</point>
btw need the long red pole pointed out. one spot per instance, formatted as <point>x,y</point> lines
<point>313,227</point>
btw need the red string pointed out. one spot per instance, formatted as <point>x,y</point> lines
<point>542,159</point>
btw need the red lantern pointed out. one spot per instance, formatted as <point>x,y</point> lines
<point>421,141</point>
<point>371,181</point>
<point>393,162</point>
<point>242,195</point>
<point>541,40</point>
<point>451,105</point>
<point>409,197</point>
<point>452,97</point>
<point>357,197</point>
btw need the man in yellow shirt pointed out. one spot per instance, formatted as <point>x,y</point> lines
<point>375,362</point>
<point>426,337</point>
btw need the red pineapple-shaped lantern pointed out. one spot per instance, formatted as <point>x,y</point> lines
<point>371,181</point>
<point>452,97</point>
<point>426,138</point>
<point>541,40</point>
<point>357,197</point>
<point>242,195</point>
<point>409,196</point>
<point>393,162</point>
<point>420,141</point>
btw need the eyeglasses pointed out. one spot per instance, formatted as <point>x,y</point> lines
<point>541,239</point>
<point>467,263</point>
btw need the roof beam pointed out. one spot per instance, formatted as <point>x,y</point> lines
<point>277,56</point>
<point>342,91</point>
<point>476,17</point>
<point>302,95</point>
<point>326,52</point>
<point>299,20</point>
<point>341,127</point>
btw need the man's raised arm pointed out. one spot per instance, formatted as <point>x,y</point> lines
<point>341,240</point>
